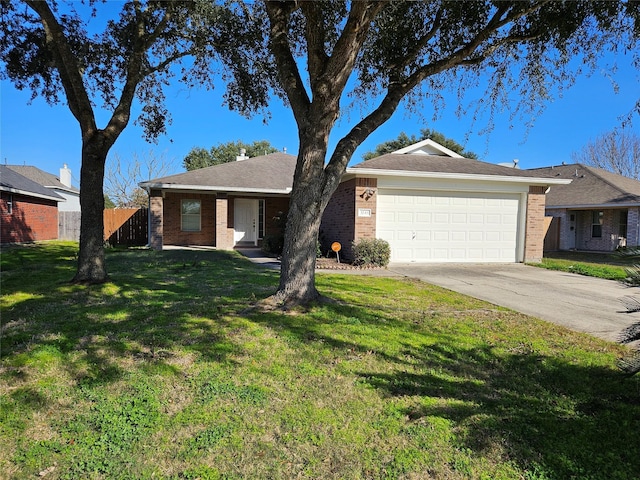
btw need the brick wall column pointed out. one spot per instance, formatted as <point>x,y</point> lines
<point>633,217</point>
<point>156,219</point>
<point>366,202</point>
<point>534,231</point>
<point>224,238</point>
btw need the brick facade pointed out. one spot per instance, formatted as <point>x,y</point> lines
<point>633,227</point>
<point>31,219</point>
<point>534,230</point>
<point>276,209</point>
<point>156,219</point>
<point>216,219</point>
<point>172,215</point>
<point>338,223</point>
<point>350,215</point>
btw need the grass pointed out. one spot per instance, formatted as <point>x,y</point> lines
<point>168,372</point>
<point>601,265</point>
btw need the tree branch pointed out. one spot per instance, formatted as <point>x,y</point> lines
<point>290,79</point>
<point>397,90</point>
<point>67,66</point>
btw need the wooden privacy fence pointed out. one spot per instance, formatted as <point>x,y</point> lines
<point>126,226</point>
<point>69,226</point>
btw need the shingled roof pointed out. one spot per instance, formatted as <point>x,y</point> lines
<point>267,173</point>
<point>40,176</point>
<point>13,182</point>
<point>442,164</point>
<point>590,187</point>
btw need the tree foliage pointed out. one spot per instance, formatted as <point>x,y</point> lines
<point>92,56</point>
<point>200,157</point>
<point>404,141</point>
<point>617,151</point>
<point>380,54</point>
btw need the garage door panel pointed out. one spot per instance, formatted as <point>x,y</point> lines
<point>423,217</point>
<point>448,226</point>
<point>441,218</point>
<point>459,218</point>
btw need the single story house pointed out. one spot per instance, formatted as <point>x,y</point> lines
<point>28,211</point>
<point>597,211</point>
<point>429,203</point>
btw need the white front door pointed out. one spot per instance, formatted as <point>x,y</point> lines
<point>245,221</point>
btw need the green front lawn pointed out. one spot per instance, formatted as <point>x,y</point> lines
<point>169,372</point>
<point>601,265</point>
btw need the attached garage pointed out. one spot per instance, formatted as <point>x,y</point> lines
<point>433,205</point>
<point>432,226</point>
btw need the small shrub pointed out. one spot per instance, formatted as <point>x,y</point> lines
<point>371,251</point>
<point>273,244</point>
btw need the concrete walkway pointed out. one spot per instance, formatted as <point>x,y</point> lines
<point>584,304</point>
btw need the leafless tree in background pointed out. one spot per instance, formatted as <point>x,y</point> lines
<point>617,151</point>
<point>122,178</point>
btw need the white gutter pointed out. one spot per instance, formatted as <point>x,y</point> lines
<point>212,188</point>
<point>457,176</point>
<point>604,206</point>
<point>32,194</point>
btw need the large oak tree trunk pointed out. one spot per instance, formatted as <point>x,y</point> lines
<point>311,192</point>
<point>91,257</point>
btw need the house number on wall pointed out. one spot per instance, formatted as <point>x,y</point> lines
<point>364,212</point>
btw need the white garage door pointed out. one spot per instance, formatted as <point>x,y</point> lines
<point>448,226</point>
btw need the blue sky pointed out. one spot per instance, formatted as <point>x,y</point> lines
<point>48,137</point>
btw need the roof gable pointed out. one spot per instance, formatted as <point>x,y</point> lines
<point>590,186</point>
<point>427,147</point>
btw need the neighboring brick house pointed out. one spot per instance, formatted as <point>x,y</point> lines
<point>429,203</point>
<point>28,211</point>
<point>597,211</point>
<point>60,185</point>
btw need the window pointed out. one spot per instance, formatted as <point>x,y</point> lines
<point>622,226</point>
<point>260,218</point>
<point>10,204</point>
<point>596,223</point>
<point>190,210</point>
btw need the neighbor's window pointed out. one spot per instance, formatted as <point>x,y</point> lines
<point>10,204</point>
<point>190,210</point>
<point>622,226</point>
<point>260,218</point>
<point>596,223</point>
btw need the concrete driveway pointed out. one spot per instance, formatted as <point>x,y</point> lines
<point>585,304</point>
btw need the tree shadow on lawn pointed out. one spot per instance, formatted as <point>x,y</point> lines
<point>155,303</point>
<point>544,413</point>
